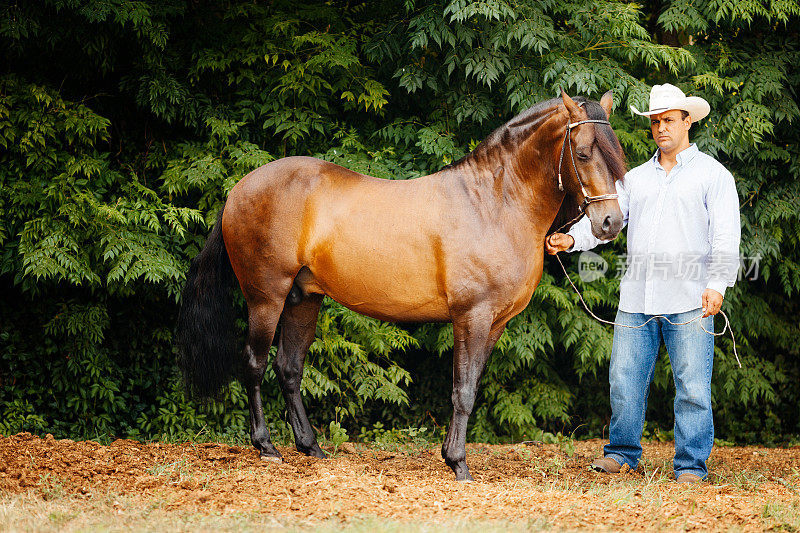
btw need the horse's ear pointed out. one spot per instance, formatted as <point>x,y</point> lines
<point>607,102</point>
<point>570,104</point>
<point>568,211</point>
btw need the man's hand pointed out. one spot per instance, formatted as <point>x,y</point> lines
<point>558,242</point>
<point>712,301</point>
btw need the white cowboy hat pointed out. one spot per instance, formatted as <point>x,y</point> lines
<point>668,97</point>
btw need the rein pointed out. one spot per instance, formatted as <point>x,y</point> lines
<point>698,317</point>
<point>582,212</point>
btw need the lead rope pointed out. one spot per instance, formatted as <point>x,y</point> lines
<point>727,322</point>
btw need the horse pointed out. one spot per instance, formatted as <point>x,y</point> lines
<point>463,245</point>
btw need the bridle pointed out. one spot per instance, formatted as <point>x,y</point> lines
<point>586,198</point>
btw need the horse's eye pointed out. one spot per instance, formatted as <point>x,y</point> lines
<point>583,154</point>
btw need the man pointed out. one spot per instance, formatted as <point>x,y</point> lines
<point>682,212</point>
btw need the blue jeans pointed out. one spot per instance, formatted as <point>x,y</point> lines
<point>633,359</point>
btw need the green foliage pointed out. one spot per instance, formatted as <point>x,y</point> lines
<point>409,439</point>
<point>343,362</point>
<point>123,125</point>
<point>337,435</point>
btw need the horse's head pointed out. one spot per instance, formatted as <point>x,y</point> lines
<point>591,160</point>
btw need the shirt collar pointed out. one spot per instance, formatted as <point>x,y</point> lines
<point>683,157</point>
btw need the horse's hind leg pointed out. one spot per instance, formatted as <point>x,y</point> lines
<point>297,330</point>
<point>263,319</point>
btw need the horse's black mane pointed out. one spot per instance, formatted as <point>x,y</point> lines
<point>496,138</point>
<point>606,140</point>
<point>521,125</point>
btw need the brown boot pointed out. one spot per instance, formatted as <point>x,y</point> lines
<point>606,465</point>
<point>688,477</point>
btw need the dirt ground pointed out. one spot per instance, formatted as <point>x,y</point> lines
<point>542,485</point>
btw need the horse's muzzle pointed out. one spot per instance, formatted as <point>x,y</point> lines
<point>608,227</point>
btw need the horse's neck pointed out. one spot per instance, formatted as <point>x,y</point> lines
<point>513,175</point>
<point>520,197</point>
<point>535,173</point>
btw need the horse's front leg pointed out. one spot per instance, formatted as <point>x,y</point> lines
<point>474,340</point>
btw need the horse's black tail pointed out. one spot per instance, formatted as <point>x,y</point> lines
<point>205,334</point>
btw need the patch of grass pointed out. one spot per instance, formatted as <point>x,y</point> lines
<point>180,469</point>
<point>552,466</point>
<point>59,518</point>
<point>781,517</point>
<point>792,481</point>
<point>373,524</point>
<point>114,512</point>
<point>656,471</point>
<point>742,479</point>
<point>51,487</point>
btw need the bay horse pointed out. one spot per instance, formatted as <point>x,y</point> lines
<point>463,245</point>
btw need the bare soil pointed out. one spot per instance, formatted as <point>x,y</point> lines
<point>749,488</point>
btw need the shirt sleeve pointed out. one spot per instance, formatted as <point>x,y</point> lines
<point>582,230</point>
<point>725,232</point>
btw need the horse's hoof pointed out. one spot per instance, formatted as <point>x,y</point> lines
<point>318,453</point>
<point>463,475</point>
<point>314,451</point>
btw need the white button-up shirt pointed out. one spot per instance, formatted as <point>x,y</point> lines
<point>683,233</point>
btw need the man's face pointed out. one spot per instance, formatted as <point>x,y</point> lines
<point>670,130</point>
